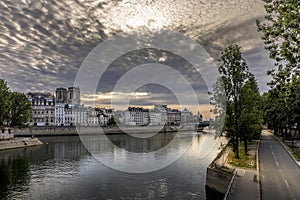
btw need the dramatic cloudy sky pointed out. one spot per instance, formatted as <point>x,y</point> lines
<point>43,42</point>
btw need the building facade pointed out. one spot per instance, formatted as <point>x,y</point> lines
<point>136,116</point>
<point>174,117</point>
<point>43,109</point>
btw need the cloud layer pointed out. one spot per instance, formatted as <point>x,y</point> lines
<point>43,43</point>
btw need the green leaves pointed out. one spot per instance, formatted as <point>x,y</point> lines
<point>4,103</point>
<point>20,110</point>
<point>14,107</point>
<point>238,107</point>
<point>281,34</point>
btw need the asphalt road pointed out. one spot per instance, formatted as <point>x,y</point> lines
<point>280,175</point>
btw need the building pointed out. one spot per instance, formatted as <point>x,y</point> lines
<point>155,118</point>
<point>60,114</point>
<point>162,109</point>
<point>136,116</point>
<point>43,109</point>
<point>75,115</point>
<point>73,96</point>
<point>173,117</point>
<point>68,111</point>
<point>61,95</point>
<point>186,117</point>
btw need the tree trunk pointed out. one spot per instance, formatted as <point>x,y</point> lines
<point>246,146</point>
<point>298,128</point>
<point>236,152</point>
<point>275,130</point>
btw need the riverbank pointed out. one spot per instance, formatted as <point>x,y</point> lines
<point>19,143</point>
<point>219,177</point>
<point>230,177</point>
<point>71,131</point>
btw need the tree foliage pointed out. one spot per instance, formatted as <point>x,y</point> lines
<point>281,35</point>
<point>20,110</point>
<point>4,103</point>
<point>250,121</point>
<point>236,99</point>
<point>14,107</point>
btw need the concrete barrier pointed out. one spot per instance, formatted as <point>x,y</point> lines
<point>218,179</point>
<point>62,131</point>
<point>19,142</point>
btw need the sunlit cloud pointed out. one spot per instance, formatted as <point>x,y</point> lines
<point>43,43</point>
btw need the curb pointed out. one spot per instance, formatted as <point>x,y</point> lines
<point>258,171</point>
<point>230,185</point>
<point>287,150</point>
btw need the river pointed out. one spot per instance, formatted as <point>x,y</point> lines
<point>63,168</point>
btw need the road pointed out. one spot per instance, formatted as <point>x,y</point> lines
<point>280,175</point>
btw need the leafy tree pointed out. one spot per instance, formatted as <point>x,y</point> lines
<point>281,35</point>
<point>20,110</point>
<point>4,102</point>
<point>234,74</point>
<point>250,122</point>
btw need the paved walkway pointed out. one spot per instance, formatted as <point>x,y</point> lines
<point>244,186</point>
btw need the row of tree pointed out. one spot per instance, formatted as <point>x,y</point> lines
<point>281,33</point>
<point>14,108</point>
<point>240,109</point>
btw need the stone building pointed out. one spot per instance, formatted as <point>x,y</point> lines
<point>43,109</point>
<point>174,117</point>
<point>136,116</point>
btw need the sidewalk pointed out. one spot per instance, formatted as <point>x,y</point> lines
<point>244,186</point>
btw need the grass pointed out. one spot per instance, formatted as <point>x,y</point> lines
<point>295,151</point>
<point>245,161</point>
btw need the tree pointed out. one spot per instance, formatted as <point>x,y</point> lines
<point>4,103</point>
<point>281,35</point>
<point>234,74</point>
<point>19,110</point>
<point>250,121</point>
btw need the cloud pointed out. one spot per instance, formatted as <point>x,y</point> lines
<point>43,43</point>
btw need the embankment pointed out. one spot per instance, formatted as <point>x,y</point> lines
<point>65,131</point>
<point>19,142</point>
<point>218,177</point>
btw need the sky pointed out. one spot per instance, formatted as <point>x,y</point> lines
<point>43,43</point>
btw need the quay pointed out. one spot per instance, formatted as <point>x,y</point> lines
<point>71,131</point>
<point>19,143</point>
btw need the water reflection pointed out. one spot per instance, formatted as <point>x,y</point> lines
<point>63,169</point>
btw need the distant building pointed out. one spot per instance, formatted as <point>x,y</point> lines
<point>162,109</point>
<point>155,118</point>
<point>60,114</point>
<point>136,116</point>
<point>73,96</point>
<point>174,117</point>
<point>186,117</point>
<point>75,115</point>
<point>43,109</point>
<point>61,95</point>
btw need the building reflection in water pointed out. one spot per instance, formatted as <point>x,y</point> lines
<point>62,168</point>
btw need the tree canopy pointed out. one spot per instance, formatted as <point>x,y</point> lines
<point>236,99</point>
<point>14,107</point>
<point>281,35</point>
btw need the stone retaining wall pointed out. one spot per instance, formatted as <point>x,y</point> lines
<point>19,142</point>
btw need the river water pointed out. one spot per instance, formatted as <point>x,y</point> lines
<point>62,168</point>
